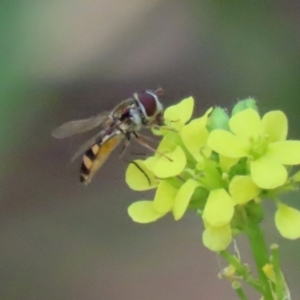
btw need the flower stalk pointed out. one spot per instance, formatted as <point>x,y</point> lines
<point>239,291</point>
<point>259,251</point>
<point>242,271</point>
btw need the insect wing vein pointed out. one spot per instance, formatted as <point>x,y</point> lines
<point>78,126</point>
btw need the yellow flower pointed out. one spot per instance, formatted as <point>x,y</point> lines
<point>262,141</point>
<point>251,155</point>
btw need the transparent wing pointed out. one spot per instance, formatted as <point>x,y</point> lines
<point>88,144</point>
<point>79,126</point>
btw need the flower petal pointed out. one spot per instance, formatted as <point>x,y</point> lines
<point>170,164</point>
<point>242,189</point>
<point>139,178</point>
<point>219,208</point>
<point>287,152</point>
<point>177,115</point>
<point>150,162</point>
<point>268,173</point>
<point>227,144</point>
<point>246,123</point>
<point>183,198</point>
<point>143,212</point>
<point>194,136</point>
<point>227,162</point>
<point>164,197</point>
<point>275,125</point>
<point>287,220</point>
<point>217,238</point>
<point>165,145</point>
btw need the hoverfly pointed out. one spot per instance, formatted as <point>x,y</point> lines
<point>143,109</point>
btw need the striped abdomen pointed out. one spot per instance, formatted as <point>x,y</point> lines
<point>95,157</point>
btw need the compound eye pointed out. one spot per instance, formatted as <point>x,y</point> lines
<point>148,103</point>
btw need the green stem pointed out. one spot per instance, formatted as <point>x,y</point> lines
<point>241,270</point>
<point>280,283</point>
<point>260,255</point>
<point>238,288</point>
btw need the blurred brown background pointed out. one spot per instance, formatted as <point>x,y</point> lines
<point>63,60</point>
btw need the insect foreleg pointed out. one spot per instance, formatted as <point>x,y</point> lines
<point>141,141</point>
<point>124,147</point>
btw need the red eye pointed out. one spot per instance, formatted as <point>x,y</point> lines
<point>148,102</point>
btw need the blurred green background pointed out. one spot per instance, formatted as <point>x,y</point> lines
<point>63,60</point>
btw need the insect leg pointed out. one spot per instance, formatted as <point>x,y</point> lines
<point>125,144</point>
<point>142,142</point>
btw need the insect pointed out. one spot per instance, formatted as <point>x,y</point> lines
<point>143,109</point>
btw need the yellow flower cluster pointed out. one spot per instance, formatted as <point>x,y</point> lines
<point>218,166</point>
